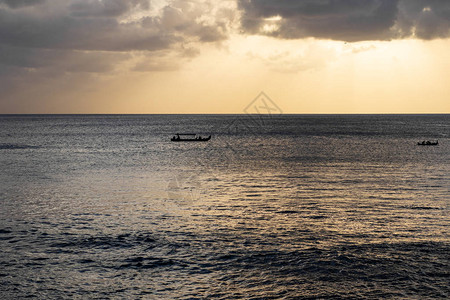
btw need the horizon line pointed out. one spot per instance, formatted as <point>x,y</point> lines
<point>244,114</point>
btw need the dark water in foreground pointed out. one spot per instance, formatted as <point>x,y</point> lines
<point>283,208</point>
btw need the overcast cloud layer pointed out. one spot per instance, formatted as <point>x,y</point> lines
<point>96,36</point>
<point>53,38</point>
<point>347,20</point>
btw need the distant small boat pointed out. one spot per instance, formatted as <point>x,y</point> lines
<point>193,137</point>
<point>428,143</point>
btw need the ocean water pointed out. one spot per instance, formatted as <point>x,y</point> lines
<point>272,207</point>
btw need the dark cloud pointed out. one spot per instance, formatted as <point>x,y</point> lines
<point>54,60</point>
<point>48,47</point>
<point>21,3</point>
<point>62,30</point>
<point>426,19</point>
<point>180,18</point>
<point>110,8</point>
<point>347,20</point>
<point>95,36</point>
<point>101,25</point>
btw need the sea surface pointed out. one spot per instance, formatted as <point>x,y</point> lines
<point>272,207</point>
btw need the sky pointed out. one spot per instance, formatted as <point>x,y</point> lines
<point>216,56</point>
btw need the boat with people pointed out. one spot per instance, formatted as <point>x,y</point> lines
<point>428,143</point>
<point>189,137</point>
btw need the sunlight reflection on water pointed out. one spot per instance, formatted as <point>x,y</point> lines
<point>308,206</point>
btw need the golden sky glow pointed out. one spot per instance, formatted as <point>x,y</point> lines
<point>219,66</point>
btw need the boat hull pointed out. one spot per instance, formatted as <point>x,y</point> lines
<point>191,140</point>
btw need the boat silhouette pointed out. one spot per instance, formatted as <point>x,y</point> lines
<point>428,143</point>
<point>193,137</point>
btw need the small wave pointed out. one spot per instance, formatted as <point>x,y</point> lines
<point>16,146</point>
<point>288,212</point>
<point>106,242</point>
<point>85,261</point>
<point>422,207</point>
<point>318,217</point>
<point>146,262</point>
